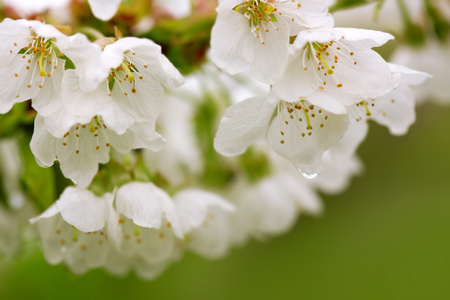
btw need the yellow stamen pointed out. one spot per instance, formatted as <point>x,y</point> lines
<point>309,126</point>
<point>330,71</point>
<point>127,69</point>
<point>136,230</point>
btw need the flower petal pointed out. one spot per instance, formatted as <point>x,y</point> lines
<point>243,124</point>
<point>303,147</point>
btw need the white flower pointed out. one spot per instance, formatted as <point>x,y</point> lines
<point>104,9</point>
<point>149,223</point>
<point>300,132</point>
<point>205,220</point>
<point>120,112</point>
<point>335,68</point>
<point>33,61</point>
<point>256,34</point>
<point>85,145</point>
<point>395,109</point>
<point>131,74</point>
<point>32,7</point>
<point>271,206</point>
<point>434,59</point>
<point>78,229</point>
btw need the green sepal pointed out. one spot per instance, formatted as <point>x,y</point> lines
<point>274,18</point>
<point>111,82</point>
<point>69,65</point>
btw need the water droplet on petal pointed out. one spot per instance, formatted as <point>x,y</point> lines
<point>308,175</point>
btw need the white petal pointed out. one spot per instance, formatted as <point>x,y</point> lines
<point>43,144</point>
<point>149,245</point>
<point>396,110</point>
<point>409,76</point>
<point>51,240</point>
<point>205,219</point>
<point>104,9</point>
<point>147,205</point>
<point>193,205</point>
<point>81,167</point>
<point>48,100</point>
<point>12,31</point>
<point>86,57</point>
<point>232,43</point>
<point>353,137</point>
<point>83,210</point>
<point>270,58</point>
<point>45,30</point>
<point>243,124</point>
<point>364,37</point>
<point>140,136</point>
<point>48,213</point>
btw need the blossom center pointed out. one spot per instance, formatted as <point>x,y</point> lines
<point>124,76</point>
<point>40,53</point>
<point>324,59</point>
<point>260,13</point>
<point>93,133</point>
<point>299,118</point>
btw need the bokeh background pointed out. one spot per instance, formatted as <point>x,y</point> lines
<point>386,237</point>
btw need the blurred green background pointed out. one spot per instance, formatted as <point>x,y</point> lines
<point>386,237</point>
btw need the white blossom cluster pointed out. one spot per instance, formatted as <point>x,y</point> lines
<point>321,85</point>
<point>145,230</point>
<point>326,82</point>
